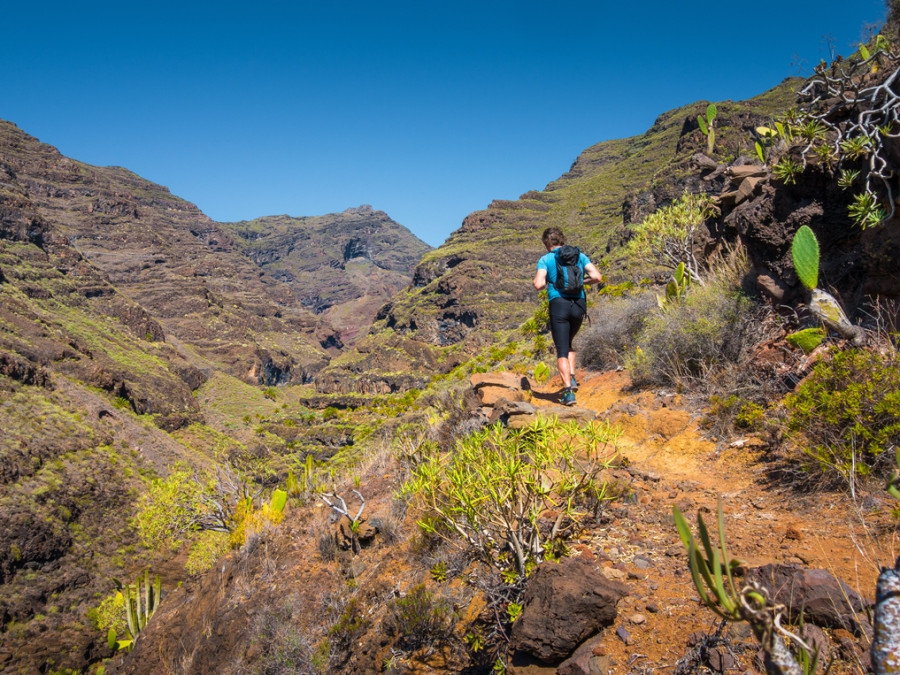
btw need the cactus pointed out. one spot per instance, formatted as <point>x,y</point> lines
<point>677,286</point>
<point>806,339</point>
<point>308,479</point>
<point>291,484</point>
<point>141,601</point>
<point>279,499</point>
<point>805,252</point>
<point>706,126</point>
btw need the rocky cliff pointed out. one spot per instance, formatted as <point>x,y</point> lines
<point>162,253</point>
<point>342,266</point>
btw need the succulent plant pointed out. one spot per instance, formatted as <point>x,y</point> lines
<point>805,252</point>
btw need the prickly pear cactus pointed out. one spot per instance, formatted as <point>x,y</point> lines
<point>805,252</point>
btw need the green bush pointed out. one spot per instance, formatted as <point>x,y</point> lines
<point>846,414</point>
<point>169,509</point>
<point>490,491</point>
<point>208,547</point>
<point>734,412</point>
<point>420,618</point>
<point>685,341</point>
<point>667,236</point>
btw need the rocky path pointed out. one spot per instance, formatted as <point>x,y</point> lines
<point>670,463</point>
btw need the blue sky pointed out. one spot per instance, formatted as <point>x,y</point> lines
<point>426,110</point>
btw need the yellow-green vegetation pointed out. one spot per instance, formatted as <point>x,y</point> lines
<point>846,414</point>
<point>207,441</point>
<point>709,327</point>
<point>207,547</point>
<point>233,400</point>
<point>105,336</point>
<point>139,602</point>
<point>666,237</point>
<point>109,615</point>
<point>170,508</point>
<point>807,339</point>
<point>211,513</point>
<point>488,493</point>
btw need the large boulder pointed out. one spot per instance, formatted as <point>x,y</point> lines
<point>565,603</point>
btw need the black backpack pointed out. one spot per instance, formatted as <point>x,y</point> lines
<point>569,274</point>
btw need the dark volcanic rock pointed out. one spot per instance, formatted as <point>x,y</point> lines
<point>565,603</point>
<point>821,598</point>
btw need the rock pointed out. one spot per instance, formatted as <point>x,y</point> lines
<point>564,604</point>
<point>614,574</point>
<point>345,536</point>
<point>815,637</point>
<point>720,659</point>
<point>747,170</point>
<point>505,411</point>
<point>490,396</point>
<point>642,562</point>
<point>746,188</point>
<point>822,598</point>
<point>504,380</point>
<point>586,660</point>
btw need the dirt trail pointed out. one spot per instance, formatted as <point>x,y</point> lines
<point>670,463</point>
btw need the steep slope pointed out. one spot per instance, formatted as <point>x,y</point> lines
<point>292,604</point>
<point>135,337</point>
<point>478,282</point>
<point>343,266</point>
<point>87,388</point>
<point>169,258</point>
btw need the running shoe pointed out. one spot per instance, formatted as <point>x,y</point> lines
<point>574,384</point>
<point>568,397</point>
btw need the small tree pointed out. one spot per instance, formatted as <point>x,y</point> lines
<point>667,235</point>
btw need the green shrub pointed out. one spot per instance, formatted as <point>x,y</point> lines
<point>420,618</point>
<point>490,491</point>
<point>667,236</point>
<point>110,614</point>
<point>350,625</point>
<point>846,414</point>
<point>170,509</point>
<point>735,412</point>
<point>685,341</point>
<point>208,547</point>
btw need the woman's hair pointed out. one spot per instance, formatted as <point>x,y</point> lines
<point>553,236</point>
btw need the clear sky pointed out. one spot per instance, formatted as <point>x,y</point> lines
<point>427,110</point>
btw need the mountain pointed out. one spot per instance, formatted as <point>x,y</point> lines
<point>138,336</point>
<point>342,266</point>
<point>163,254</point>
<point>477,285</point>
<point>140,340</point>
